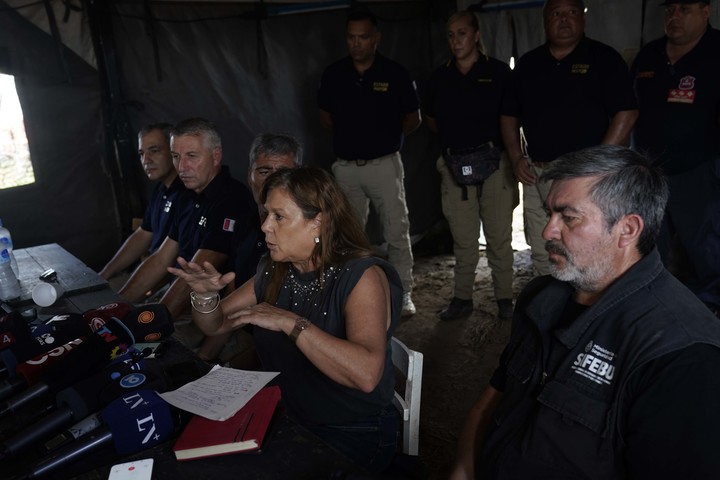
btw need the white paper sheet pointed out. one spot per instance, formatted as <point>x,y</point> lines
<point>220,393</point>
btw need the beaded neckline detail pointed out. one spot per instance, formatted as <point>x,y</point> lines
<point>306,289</point>
<point>307,284</point>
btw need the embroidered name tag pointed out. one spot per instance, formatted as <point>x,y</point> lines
<point>380,86</point>
<point>580,68</point>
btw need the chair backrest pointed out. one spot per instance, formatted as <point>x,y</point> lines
<point>410,364</point>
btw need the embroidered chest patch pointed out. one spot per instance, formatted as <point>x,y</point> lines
<point>685,91</point>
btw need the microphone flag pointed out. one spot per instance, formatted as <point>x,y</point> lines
<point>138,420</point>
<point>149,323</point>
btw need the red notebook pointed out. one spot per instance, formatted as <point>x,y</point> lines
<point>242,432</point>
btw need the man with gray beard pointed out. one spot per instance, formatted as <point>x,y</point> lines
<point>611,360</point>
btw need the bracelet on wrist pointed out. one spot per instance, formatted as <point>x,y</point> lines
<point>204,303</point>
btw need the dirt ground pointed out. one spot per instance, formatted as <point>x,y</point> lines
<point>459,356</point>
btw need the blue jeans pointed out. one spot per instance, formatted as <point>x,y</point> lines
<point>370,442</point>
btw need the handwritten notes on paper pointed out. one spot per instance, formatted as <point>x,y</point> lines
<point>220,393</point>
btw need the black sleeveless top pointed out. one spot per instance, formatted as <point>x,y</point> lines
<point>308,393</point>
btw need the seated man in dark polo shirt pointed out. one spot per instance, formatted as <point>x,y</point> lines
<point>369,102</point>
<point>570,93</point>
<point>154,151</point>
<point>217,208</point>
<point>269,152</point>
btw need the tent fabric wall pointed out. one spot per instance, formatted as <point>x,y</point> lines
<point>250,76</point>
<point>618,23</point>
<point>209,66</point>
<point>69,203</point>
<point>247,72</point>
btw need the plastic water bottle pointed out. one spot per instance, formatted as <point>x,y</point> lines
<point>9,286</point>
<point>6,243</point>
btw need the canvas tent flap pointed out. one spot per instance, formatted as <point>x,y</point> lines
<point>71,201</point>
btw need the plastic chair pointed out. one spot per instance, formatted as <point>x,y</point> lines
<point>410,364</point>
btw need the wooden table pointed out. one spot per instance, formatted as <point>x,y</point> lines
<point>84,288</point>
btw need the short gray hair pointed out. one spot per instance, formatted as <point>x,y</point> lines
<point>272,144</point>
<point>626,184</point>
<point>165,128</point>
<point>199,127</point>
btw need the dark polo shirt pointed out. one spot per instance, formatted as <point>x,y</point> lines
<point>367,109</point>
<point>566,105</point>
<point>679,104</point>
<point>467,107</point>
<point>159,213</point>
<point>249,246</point>
<point>210,219</point>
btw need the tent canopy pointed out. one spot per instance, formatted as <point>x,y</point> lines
<point>91,73</point>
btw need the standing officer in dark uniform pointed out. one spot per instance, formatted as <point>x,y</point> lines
<point>677,81</point>
<point>570,93</point>
<point>463,106</point>
<point>369,102</point>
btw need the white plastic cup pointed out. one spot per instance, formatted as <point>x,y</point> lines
<point>45,294</point>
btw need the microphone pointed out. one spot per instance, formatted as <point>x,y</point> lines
<point>134,422</point>
<point>80,400</point>
<point>150,323</point>
<point>91,355</point>
<point>101,315</point>
<point>77,430</point>
<point>172,377</point>
<point>57,331</point>
<point>13,329</point>
<point>19,382</point>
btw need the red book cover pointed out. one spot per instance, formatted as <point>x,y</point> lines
<point>242,432</point>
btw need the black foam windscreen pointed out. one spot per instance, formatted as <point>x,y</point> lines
<point>150,323</point>
<point>13,329</point>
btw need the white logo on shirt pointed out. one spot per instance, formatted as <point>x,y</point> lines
<point>596,364</point>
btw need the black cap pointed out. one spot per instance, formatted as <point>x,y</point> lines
<point>685,2</point>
